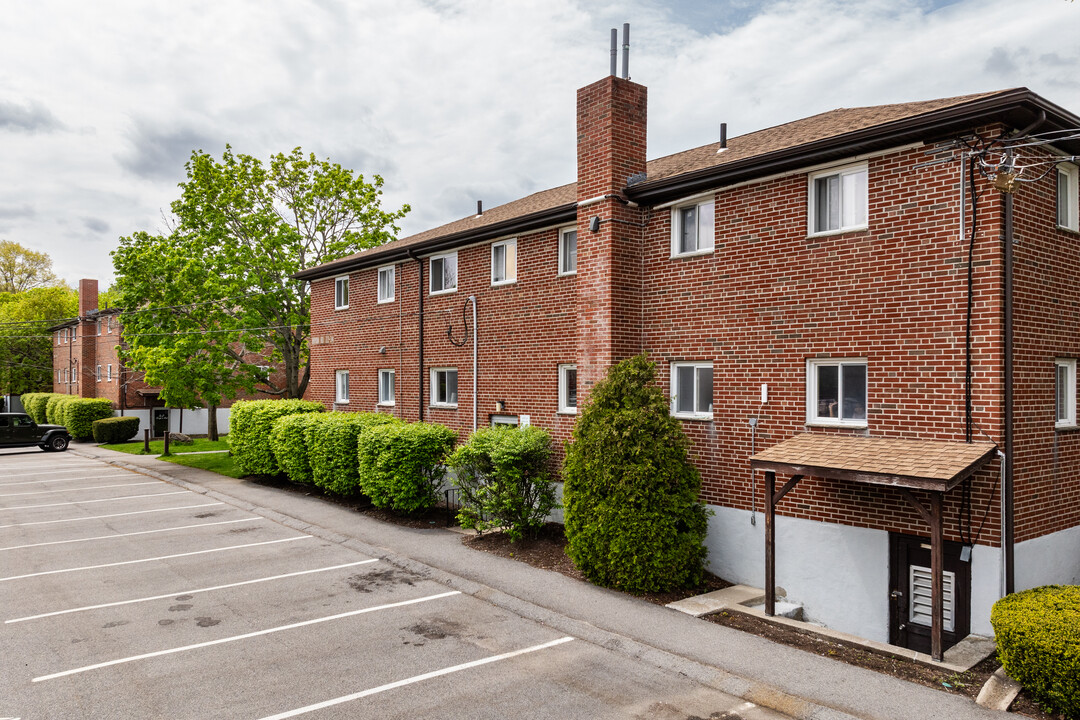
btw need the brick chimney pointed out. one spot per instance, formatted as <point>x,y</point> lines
<point>87,340</point>
<point>611,125</point>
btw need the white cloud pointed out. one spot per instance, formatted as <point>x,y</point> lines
<point>450,100</point>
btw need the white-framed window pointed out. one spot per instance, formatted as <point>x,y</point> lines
<point>109,373</point>
<point>1068,196</point>
<point>386,283</point>
<point>386,387</point>
<point>1065,392</point>
<point>568,389</point>
<point>838,199</point>
<point>97,374</point>
<point>504,421</point>
<point>98,326</point>
<point>836,391</point>
<point>108,325</point>
<point>692,390</point>
<point>341,292</point>
<point>58,333</point>
<point>568,251</point>
<point>444,387</point>
<point>443,273</point>
<point>341,385</point>
<point>504,262</point>
<point>693,228</point>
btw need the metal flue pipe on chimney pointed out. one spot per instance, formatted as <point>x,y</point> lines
<point>614,51</point>
<point>626,51</point>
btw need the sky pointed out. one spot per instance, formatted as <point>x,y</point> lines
<point>450,101</point>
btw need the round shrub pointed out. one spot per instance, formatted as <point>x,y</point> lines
<point>34,404</point>
<point>332,448</point>
<point>79,415</point>
<point>402,465</point>
<point>633,519</point>
<point>115,429</point>
<point>54,414</point>
<point>288,442</point>
<point>250,423</point>
<point>504,480</point>
<point>1038,640</point>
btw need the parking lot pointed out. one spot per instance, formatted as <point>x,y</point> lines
<point>127,597</point>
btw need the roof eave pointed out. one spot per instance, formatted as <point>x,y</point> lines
<point>1017,108</point>
<point>524,223</point>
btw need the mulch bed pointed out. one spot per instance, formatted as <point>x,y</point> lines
<point>547,551</point>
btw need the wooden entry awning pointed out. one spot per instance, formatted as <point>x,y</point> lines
<point>905,464</point>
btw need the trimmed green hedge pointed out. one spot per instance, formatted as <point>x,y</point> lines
<point>289,444</point>
<point>34,404</point>
<point>250,423</point>
<point>332,448</point>
<point>79,415</point>
<point>633,519</point>
<point>504,480</point>
<point>1038,640</point>
<point>402,466</point>
<point>53,412</point>
<point>115,429</point>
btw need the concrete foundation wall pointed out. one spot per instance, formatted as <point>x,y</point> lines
<point>1049,560</point>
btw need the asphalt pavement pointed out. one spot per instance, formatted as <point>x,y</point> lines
<point>767,675</point>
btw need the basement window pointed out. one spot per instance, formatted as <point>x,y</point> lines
<point>1065,393</point>
<point>838,199</point>
<point>386,387</point>
<point>568,389</point>
<point>1068,197</point>
<point>341,381</point>
<point>836,392</point>
<point>693,228</point>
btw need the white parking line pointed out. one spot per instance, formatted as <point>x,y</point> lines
<point>67,479</point>
<point>415,679</point>
<point>87,502</point>
<point>245,636</point>
<point>102,517</point>
<point>120,535</point>
<point>189,592</point>
<point>145,560</point>
<point>96,487</point>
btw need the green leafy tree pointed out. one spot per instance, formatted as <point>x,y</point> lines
<point>633,519</point>
<point>22,269</point>
<point>25,343</point>
<point>242,230</point>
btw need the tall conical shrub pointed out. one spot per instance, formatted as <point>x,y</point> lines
<point>633,519</point>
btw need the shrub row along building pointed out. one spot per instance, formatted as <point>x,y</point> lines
<point>805,293</point>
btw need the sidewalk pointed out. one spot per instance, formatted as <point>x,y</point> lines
<point>791,681</point>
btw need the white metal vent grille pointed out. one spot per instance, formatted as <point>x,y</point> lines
<point>920,608</point>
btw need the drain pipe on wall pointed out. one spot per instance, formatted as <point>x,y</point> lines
<point>420,332</point>
<point>475,385</point>
<point>753,451</point>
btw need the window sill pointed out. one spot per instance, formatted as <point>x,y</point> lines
<point>442,406</point>
<point>696,253</point>
<point>387,404</point>
<point>1065,228</point>
<point>503,282</point>
<point>694,416</point>
<point>385,302</point>
<point>341,307</point>
<point>341,402</point>
<point>566,411</point>
<point>1066,426</point>
<point>841,231</point>
<point>443,292</point>
<point>824,422</point>
<point>566,274</point>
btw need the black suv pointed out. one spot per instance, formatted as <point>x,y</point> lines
<point>19,430</point>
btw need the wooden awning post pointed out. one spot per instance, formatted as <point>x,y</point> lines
<point>937,583</point>
<point>770,544</point>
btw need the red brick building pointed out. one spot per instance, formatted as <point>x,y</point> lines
<point>86,363</point>
<point>810,278</point>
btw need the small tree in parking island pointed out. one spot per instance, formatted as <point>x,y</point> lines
<point>633,518</point>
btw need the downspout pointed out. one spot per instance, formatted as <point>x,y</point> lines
<point>1008,535</point>
<point>420,331</point>
<point>475,391</point>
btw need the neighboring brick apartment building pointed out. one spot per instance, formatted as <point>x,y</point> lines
<point>823,259</point>
<point>86,363</point>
